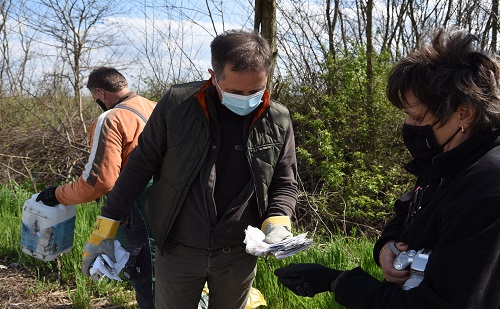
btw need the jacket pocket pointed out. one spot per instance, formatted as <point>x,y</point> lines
<point>162,209</point>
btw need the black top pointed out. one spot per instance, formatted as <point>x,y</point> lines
<point>458,217</point>
<point>220,200</point>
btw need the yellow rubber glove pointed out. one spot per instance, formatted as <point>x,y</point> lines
<point>101,241</point>
<point>276,229</point>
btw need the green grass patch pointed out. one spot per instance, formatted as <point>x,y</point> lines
<point>338,252</point>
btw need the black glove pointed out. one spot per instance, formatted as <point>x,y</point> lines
<point>307,279</point>
<point>48,197</point>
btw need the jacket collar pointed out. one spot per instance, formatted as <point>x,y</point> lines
<point>202,99</point>
<point>460,157</point>
<point>127,96</point>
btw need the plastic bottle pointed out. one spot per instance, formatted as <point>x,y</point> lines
<point>46,231</point>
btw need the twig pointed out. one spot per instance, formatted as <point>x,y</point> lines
<point>10,168</point>
<point>313,209</point>
<point>29,173</point>
<point>15,157</point>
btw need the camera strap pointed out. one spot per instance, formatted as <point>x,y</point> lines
<point>392,245</point>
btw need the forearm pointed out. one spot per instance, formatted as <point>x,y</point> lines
<point>144,161</point>
<point>79,192</point>
<point>358,289</point>
<point>392,231</point>
<point>127,189</point>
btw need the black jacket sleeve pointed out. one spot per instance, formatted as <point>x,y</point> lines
<point>144,161</point>
<point>282,193</point>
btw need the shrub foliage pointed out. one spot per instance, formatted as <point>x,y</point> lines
<point>349,150</point>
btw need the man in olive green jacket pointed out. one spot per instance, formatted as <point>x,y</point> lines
<point>223,157</point>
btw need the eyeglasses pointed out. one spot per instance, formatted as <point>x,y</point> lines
<point>416,203</point>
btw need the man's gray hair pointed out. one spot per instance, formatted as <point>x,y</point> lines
<point>242,50</point>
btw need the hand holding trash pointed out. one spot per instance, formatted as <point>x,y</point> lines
<point>256,244</point>
<point>276,229</point>
<point>101,241</point>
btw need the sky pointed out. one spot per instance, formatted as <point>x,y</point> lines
<point>170,38</point>
<point>193,24</point>
<point>167,39</point>
<point>181,31</point>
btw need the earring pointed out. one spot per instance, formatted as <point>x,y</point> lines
<point>462,127</point>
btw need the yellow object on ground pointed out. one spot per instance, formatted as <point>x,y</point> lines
<point>255,299</point>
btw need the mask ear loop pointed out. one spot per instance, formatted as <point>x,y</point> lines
<point>449,140</point>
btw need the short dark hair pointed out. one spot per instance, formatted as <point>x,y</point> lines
<point>107,78</point>
<point>243,50</point>
<point>446,73</point>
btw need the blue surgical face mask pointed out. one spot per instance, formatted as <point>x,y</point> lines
<point>241,104</point>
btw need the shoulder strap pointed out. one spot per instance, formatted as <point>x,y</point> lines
<point>133,111</point>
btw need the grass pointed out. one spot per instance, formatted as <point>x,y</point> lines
<point>64,270</point>
<point>339,252</point>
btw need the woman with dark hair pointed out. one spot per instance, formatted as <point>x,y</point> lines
<point>442,248</point>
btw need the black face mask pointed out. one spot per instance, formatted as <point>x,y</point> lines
<point>101,104</point>
<point>421,142</point>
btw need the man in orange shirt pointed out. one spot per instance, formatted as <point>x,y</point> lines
<point>113,136</point>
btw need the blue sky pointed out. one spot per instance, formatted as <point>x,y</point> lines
<point>177,32</point>
<point>191,26</point>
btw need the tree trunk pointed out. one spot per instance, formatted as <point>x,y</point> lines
<point>494,25</point>
<point>265,21</point>
<point>369,64</point>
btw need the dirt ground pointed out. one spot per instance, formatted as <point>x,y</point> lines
<point>15,284</point>
<point>17,291</point>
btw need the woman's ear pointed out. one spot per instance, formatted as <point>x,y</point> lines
<point>467,114</point>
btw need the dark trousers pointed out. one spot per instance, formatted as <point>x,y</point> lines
<point>134,235</point>
<point>181,273</point>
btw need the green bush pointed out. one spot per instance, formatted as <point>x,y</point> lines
<point>350,152</point>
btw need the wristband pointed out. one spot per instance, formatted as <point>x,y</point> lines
<point>277,220</point>
<point>391,245</point>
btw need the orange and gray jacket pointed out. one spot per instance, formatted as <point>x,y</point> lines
<point>113,136</point>
<point>182,120</point>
